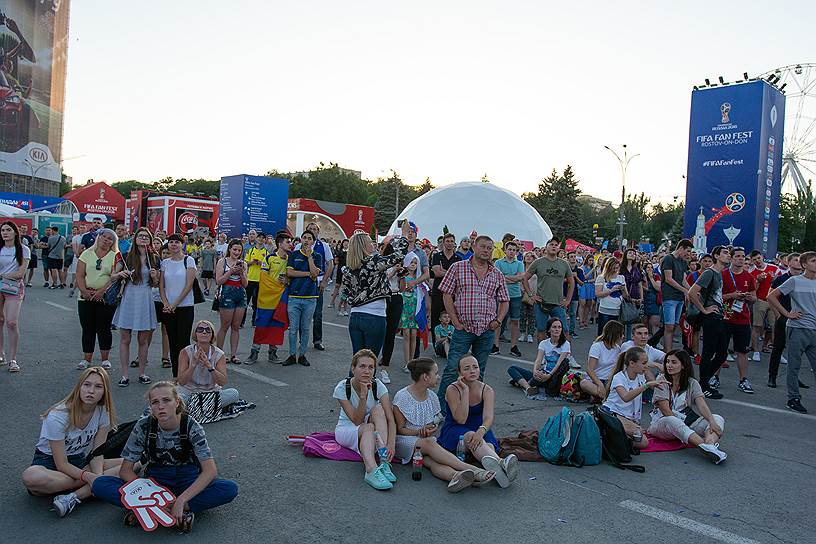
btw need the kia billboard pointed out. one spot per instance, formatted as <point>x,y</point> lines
<point>33,47</point>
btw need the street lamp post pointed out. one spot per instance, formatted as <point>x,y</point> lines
<point>624,164</point>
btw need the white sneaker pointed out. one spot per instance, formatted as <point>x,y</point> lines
<point>730,358</point>
<point>64,504</point>
<point>106,364</point>
<point>529,338</point>
<point>83,364</point>
<point>715,454</point>
<point>405,369</point>
<point>521,338</point>
<point>756,357</point>
<point>384,377</point>
<point>782,360</point>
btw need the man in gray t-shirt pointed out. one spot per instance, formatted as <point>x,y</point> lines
<point>56,255</point>
<point>801,326</point>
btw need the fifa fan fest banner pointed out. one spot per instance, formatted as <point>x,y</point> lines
<point>252,202</point>
<point>33,47</point>
<point>734,167</point>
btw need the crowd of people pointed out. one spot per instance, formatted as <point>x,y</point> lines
<point>459,300</point>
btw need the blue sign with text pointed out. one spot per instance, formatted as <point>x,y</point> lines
<point>734,167</point>
<point>252,202</point>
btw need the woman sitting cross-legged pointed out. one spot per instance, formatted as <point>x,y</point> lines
<point>469,415</point>
<point>417,413</point>
<point>177,458</point>
<point>71,429</point>
<point>552,352</point>
<point>367,427</point>
<point>681,410</point>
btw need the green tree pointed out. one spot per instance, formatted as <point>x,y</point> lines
<point>385,207</point>
<point>330,183</point>
<point>636,214</point>
<point>557,202</point>
<point>797,221</point>
<point>125,187</point>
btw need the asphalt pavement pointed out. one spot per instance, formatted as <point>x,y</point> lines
<point>762,493</point>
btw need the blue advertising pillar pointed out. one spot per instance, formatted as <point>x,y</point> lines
<point>734,167</point>
<point>252,202</point>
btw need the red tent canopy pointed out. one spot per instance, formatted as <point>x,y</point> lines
<point>99,199</point>
<point>572,245</point>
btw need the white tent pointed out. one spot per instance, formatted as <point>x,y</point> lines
<point>10,211</point>
<point>473,205</point>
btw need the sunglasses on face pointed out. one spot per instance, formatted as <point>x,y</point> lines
<point>203,329</point>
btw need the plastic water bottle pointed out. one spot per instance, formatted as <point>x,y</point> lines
<point>382,450</point>
<point>460,448</point>
<point>417,463</point>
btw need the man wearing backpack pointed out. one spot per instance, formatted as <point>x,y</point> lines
<point>707,295</point>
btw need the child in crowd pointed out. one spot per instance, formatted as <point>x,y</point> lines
<point>603,354</point>
<point>552,352</point>
<point>469,415</point>
<point>443,333</point>
<point>71,430</point>
<point>207,265</point>
<point>625,395</point>
<point>417,412</point>
<point>177,458</point>
<point>680,409</point>
<point>367,427</point>
<point>408,322</point>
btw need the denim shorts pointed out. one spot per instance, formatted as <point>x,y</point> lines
<point>232,297</point>
<point>672,310</point>
<point>542,316</point>
<point>514,311</point>
<point>80,460</point>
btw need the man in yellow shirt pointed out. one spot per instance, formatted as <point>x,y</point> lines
<point>254,257</point>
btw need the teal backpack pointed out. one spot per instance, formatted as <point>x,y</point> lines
<point>567,439</point>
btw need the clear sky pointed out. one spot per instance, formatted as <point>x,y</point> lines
<point>449,90</point>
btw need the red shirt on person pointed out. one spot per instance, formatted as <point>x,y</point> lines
<point>476,301</point>
<point>737,312</point>
<point>764,285</point>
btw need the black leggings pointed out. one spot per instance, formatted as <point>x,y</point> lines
<point>179,328</point>
<point>710,361</point>
<point>393,311</point>
<point>95,317</point>
<point>252,289</point>
<point>779,341</point>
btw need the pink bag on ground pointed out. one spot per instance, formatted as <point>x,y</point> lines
<point>324,445</point>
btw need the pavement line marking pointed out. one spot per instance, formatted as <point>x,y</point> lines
<point>60,306</point>
<point>767,408</point>
<point>686,523</point>
<point>584,487</point>
<point>256,376</point>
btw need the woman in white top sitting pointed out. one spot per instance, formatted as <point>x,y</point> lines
<point>367,427</point>
<point>603,354</point>
<point>71,430</point>
<point>680,409</point>
<point>552,352</point>
<point>14,258</point>
<point>625,397</point>
<point>203,367</point>
<point>417,414</point>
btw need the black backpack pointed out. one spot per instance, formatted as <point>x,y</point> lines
<point>616,445</point>
<point>184,440</point>
<point>373,388</point>
<point>113,446</point>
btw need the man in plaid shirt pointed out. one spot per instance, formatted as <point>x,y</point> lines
<point>476,300</point>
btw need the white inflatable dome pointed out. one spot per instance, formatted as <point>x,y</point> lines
<point>473,205</point>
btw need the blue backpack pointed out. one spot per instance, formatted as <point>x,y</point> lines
<point>567,439</point>
<point>554,438</point>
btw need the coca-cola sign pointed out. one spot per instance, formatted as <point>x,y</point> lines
<point>187,222</point>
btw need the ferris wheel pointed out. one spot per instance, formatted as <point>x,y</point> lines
<point>798,82</point>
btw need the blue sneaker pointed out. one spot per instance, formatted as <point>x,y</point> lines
<point>377,480</point>
<point>385,468</point>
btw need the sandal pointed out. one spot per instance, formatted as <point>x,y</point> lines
<point>130,519</point>
<point>186,523</point>
<point>494,465</point>
<point>234,360</point>
<point>134,364</point>
<point>2,360</point>
<point>13,366</point>
<point>166,363</point>
<point>483,477</point>
<point>461,480</point>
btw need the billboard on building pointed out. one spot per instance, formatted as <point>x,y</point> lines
<point>33,47</point>
<point>252,202</point>
<point>734,167</point>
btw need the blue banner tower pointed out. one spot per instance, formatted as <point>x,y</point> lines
<point>252,202</point>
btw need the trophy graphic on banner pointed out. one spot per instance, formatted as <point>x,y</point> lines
<point>725,109</point>
<point>731,233</point>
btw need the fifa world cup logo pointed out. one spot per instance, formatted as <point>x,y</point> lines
<point>725,109</point>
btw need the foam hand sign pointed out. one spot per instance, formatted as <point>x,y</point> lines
<point>149,501</point>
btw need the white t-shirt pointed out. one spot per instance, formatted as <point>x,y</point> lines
<point>655,355</point>
<point>610,305</point>
<point>175,278</point>
<point>551,354</point>
<point>76,241</point>
<point>375,307</point>
<point>221,250</point>
<point>634,407</point>
<point>340,394</point>
<point>8,264</point>
<point>606,359</point>
<point>417,413</point>
<point>77,441</point>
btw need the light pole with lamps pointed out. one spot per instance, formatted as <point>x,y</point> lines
<point>624,164</point>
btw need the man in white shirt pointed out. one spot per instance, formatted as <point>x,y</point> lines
<point>640,338</point>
